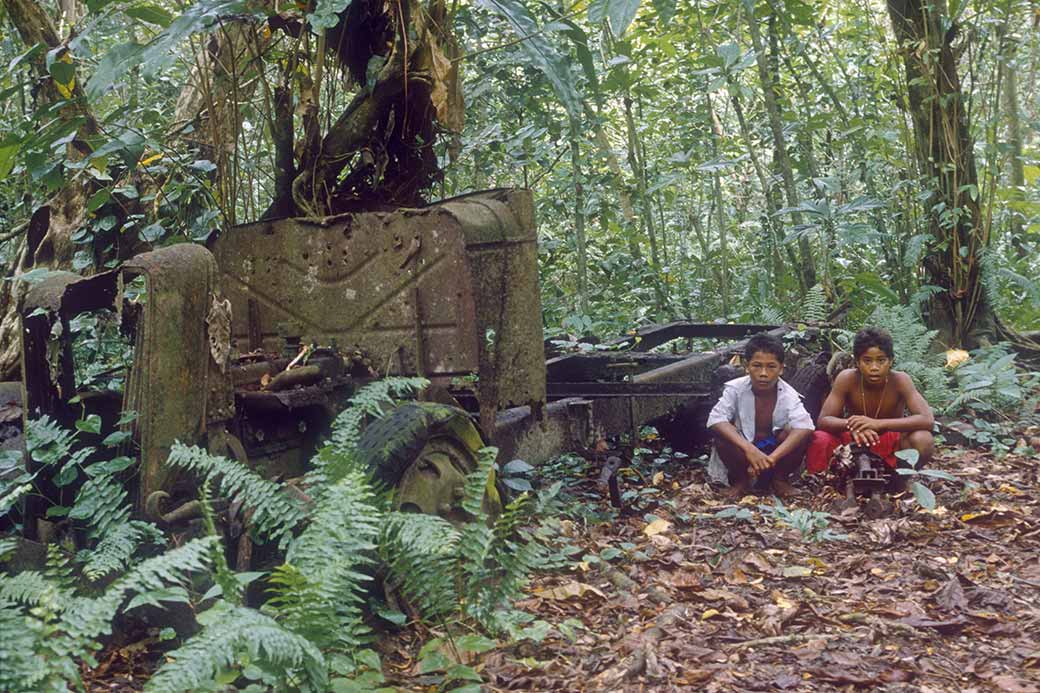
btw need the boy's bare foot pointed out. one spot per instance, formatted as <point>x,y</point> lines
<point>736,491</point>
<point>783,489</point>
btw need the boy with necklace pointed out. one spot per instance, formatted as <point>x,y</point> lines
<point>873,406</point>
<point>759,426</point>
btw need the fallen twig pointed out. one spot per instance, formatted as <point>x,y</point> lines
<point>788,639</point>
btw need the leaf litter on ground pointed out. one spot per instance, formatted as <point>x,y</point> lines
<point>726,597</point>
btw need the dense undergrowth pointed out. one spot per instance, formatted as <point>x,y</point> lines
<point>353,566</point>
<point>313,629</point>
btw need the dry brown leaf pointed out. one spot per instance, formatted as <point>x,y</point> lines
<point>568,591</point>
<point>657,526</point>
<point>683,580</point>
<point>759,562</point>
<point>714,595</point>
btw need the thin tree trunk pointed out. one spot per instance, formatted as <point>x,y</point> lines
<point>945,150</point>
<point>1014,139</point>
<point>579,221</point>
<point>762,176</point>
<point>617,178</point>
<point>646,215</point>
<point>807,268</point>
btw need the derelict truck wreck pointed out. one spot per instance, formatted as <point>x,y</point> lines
<point>251,347</point>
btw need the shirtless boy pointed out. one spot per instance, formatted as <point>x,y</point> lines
<point>759,425</point>
<point>874,406</point>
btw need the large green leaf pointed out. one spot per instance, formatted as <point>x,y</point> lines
<point>621,13</point>
<point>7,155</point>
<point>151,14</point>
<point>924,495</point>
<point>540,52</point>
<point>326,14</point>
<point>665,10</point>
<point>111,68</point>
<point>581,47</point>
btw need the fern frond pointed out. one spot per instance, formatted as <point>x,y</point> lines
<point>233,635</point>
<point>33,588</point>
<point>13,495</point>
<point>117,547</point>
<point>21,668</point>
<point>813,307</point>
<point>498,561</point>
<point>7,547</point>
<point>479,481</point>
<point>769,315</point>
<point>47,441</point>
<point>337,544</point>
<point>422,554</point>
<point>275,512</point>
<point>373,400</point>
<point>86,619</point>
<point>101,504</point>
<point>913,342</point>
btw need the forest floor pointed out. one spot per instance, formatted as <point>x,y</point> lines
<point>685,591</point>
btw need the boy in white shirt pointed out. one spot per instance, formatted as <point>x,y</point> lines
<point>759,425</point>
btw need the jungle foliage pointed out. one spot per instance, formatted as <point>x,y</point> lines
<point>314,628</point>
<point>689,159</point>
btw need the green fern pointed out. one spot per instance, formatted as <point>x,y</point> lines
<point>497,563</point>
<point>480,481</point>
<point>333,552</point>
<point>32,588</point>
<point>421,552</point>
<point>12,496</point>
<point>101,503</point>
<point>768,315</point>
<point>66,627</point>
<point>275,512</point>
<point>913,342</point>
<point>117,546</point>
<point>813,307</point>
<point>21,668</point>
<point>88,618</point>
<point>233,635</point>
<point>373,400</point>
<point>47,441</point>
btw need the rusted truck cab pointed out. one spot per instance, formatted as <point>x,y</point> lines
<point>449,292</point>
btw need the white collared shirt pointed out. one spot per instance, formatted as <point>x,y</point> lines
<point>737,406</point>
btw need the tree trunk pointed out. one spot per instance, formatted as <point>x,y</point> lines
<point>579,221</point>
<point>646,215</point>
<point>944,149</point>
<point>1014,139</point>
<point>806,267</point>
<point>48,240</point>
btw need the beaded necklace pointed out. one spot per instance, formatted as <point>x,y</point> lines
<point>863,396</point>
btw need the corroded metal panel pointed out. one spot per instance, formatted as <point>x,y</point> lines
<point>416,289</point>
<point>174,382</point>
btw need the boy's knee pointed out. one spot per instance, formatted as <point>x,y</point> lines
<point>922,441</point>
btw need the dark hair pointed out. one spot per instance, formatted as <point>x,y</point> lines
<point>872,337</point>
<point>766,343</point>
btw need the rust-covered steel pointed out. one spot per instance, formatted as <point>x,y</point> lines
<point>445,291</point>
<point>252,346</point>
<point>176,386</point>
<point>609,394</point>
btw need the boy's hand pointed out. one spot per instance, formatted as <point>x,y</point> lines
<point>758,461</point>
<point>864,429</point>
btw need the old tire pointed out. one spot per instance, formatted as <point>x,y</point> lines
<point>812,383</point>
<point>425,450</point>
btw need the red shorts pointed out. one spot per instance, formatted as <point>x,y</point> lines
<point>818,457</point>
